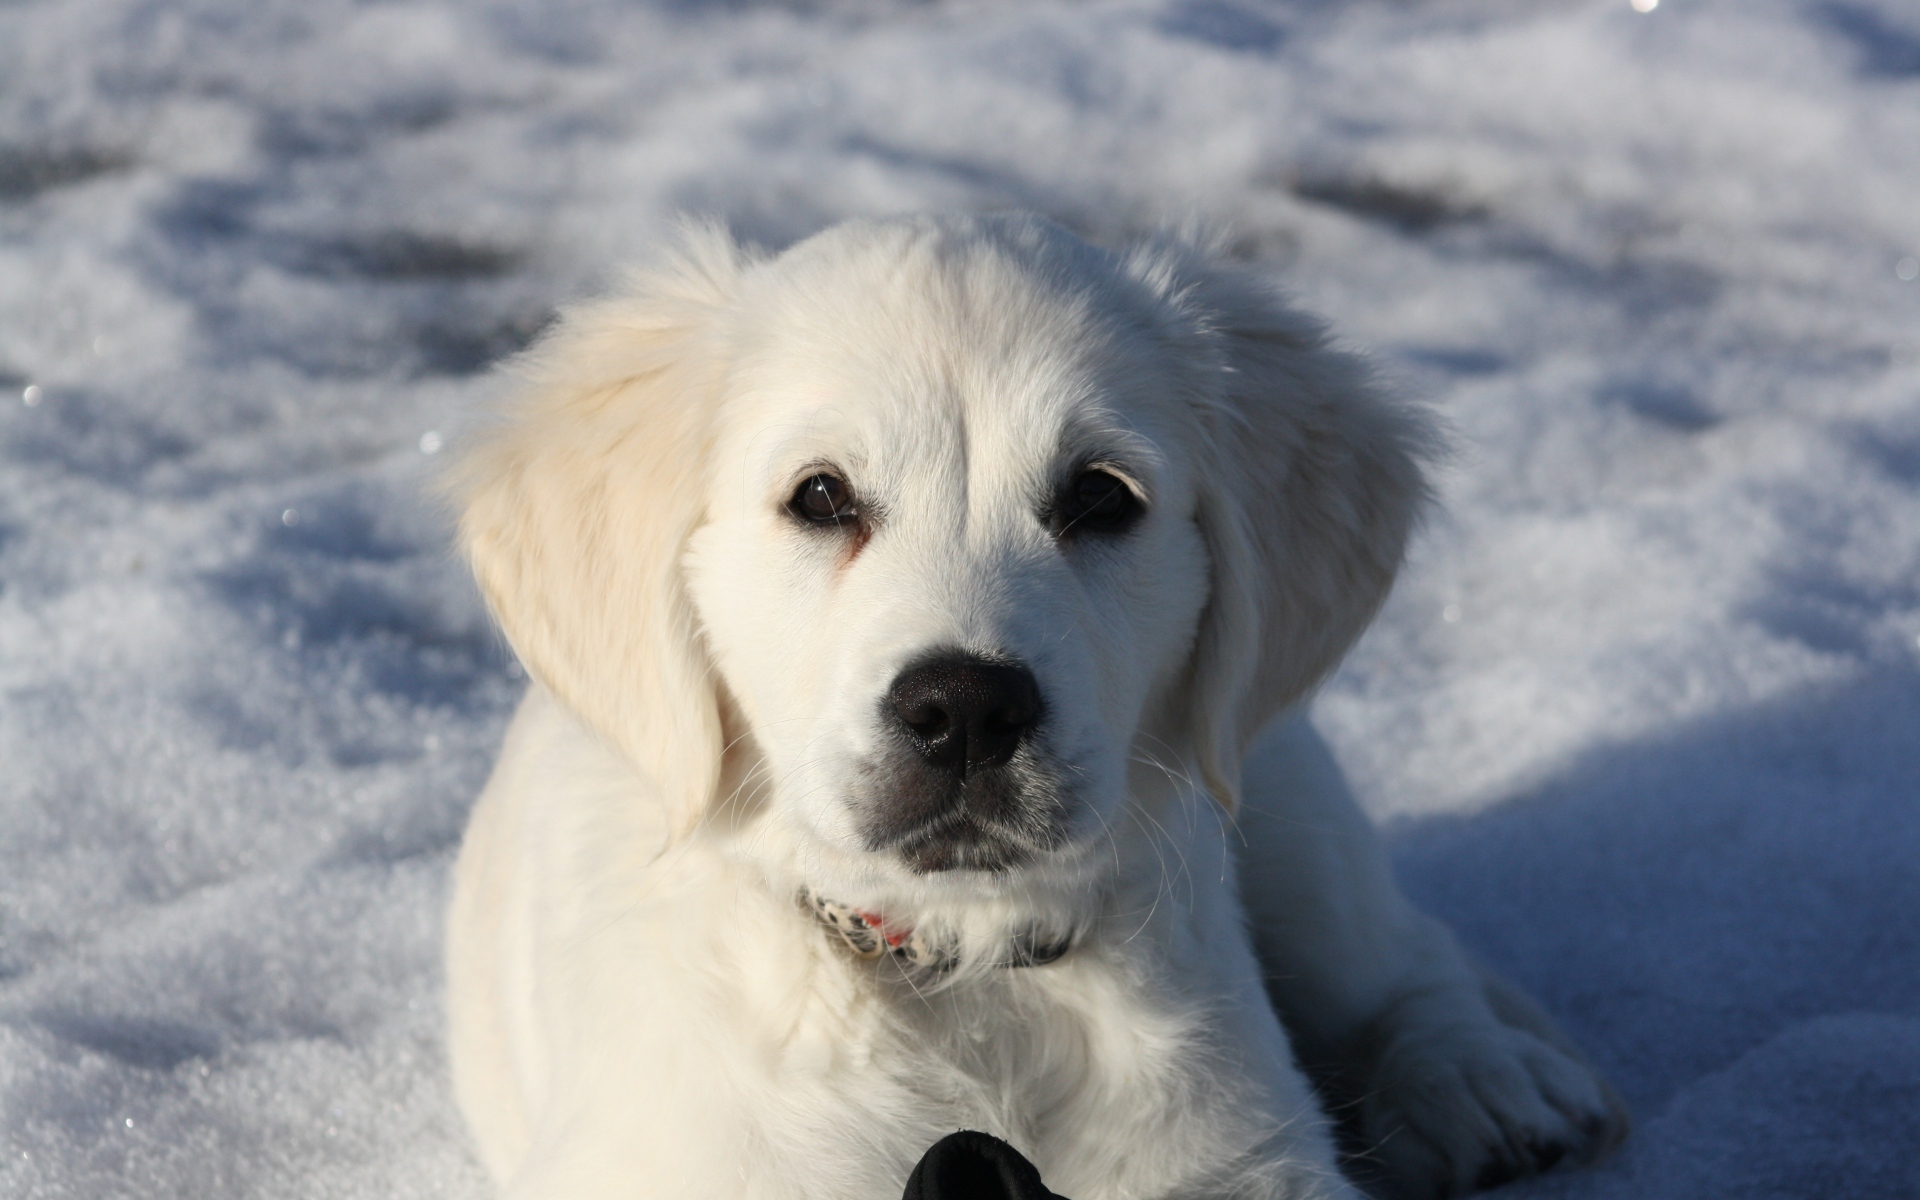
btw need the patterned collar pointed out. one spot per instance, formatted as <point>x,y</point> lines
<point>870,937</point>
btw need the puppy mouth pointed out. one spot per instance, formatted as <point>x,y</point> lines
<point>995,821</point>
<point>961,846</point>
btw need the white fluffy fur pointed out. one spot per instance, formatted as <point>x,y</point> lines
<point>639,1005</point>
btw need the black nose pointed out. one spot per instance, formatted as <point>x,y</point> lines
<point>965,714</point>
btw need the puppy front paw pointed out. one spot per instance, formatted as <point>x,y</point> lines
<point>1461,1097</point>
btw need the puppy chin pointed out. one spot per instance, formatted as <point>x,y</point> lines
<point>963,845</point>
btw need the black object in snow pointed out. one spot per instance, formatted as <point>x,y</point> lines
<point>970,1165</point>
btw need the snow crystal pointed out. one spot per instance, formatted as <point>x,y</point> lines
<point>1640,720</point>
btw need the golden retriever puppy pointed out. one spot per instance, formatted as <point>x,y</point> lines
<point>905,612</point>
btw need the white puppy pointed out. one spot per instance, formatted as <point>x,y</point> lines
<point>902,609</point>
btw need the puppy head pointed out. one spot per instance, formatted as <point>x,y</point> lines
<point>949,524</point>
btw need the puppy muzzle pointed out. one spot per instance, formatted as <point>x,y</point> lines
<point>995,820</point>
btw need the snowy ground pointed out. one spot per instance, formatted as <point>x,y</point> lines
<point>1644,718</point>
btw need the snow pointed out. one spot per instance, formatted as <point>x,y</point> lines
<point>1641,719</point>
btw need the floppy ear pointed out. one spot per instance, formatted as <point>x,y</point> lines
<point>577,507</point>
<point>1312,489</point>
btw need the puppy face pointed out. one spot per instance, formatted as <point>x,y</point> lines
<point>951,556</point>
<point>942,535</point>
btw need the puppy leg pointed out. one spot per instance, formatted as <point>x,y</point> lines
<point>1448,1078</point>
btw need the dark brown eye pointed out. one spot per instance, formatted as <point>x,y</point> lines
<point>824,500</point>
<point>1095,501</point>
